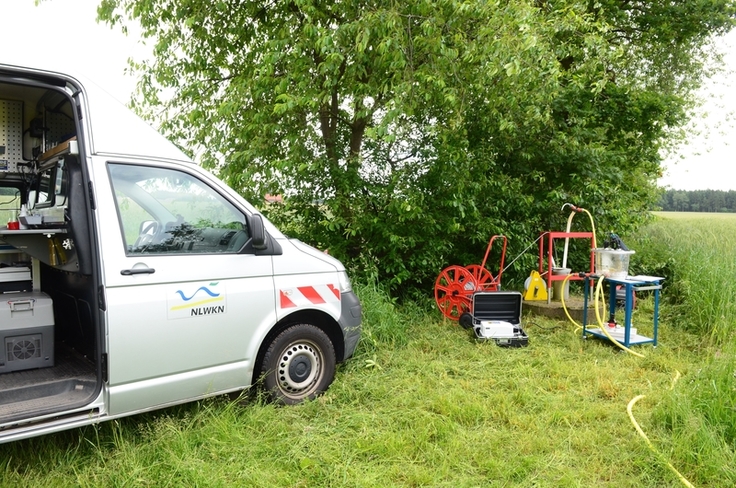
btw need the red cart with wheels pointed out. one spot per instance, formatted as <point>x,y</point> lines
<point>455,285</point>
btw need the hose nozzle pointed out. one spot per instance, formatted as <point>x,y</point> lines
<point>572,207</point>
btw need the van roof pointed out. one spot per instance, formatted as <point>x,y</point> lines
<point>112,128</point>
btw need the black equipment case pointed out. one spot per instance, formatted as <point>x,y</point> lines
<point>497,317</point>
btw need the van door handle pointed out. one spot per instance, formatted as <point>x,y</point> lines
<point>135,271</point>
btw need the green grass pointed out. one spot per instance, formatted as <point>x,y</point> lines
<point>441,410</point>
<point>424,404</point>
<point>698,216</point>
<point>698,419</point>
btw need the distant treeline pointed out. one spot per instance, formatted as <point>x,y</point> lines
<point>698,201</point>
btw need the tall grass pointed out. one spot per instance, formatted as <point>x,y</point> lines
<point>697,255</point>
<point>697,419</point>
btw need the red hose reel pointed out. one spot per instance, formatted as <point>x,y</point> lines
<point>455,285</point>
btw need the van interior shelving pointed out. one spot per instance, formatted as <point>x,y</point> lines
<point>49,359</point>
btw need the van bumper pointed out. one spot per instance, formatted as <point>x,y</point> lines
<point>350,319</point>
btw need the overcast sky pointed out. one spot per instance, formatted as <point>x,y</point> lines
<point>67,30</point>
<point>708,159</point>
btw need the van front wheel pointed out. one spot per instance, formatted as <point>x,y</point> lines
<point>299,364</point>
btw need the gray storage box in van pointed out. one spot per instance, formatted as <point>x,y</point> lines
<point>26,331</point>
<point>15,279</point>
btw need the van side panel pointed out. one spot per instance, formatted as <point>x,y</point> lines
<point>172,389</point>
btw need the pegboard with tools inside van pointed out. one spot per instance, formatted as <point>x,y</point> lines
<point>11,135</point>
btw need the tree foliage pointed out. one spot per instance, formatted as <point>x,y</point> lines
<point>402,135</point>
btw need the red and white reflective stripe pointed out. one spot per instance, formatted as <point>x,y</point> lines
<point>308,295</point>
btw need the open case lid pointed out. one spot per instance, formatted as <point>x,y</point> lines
<point>497,305</point>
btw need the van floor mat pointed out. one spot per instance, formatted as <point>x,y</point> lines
<point>68,383</point>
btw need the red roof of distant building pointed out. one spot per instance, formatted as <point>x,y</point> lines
<point>274,198</point>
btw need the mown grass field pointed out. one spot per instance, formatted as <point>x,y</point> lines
<point>424,404</point>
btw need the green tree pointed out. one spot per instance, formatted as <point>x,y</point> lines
<point>403,134</point>
<point>681,201</point>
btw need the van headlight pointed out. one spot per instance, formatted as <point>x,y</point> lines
<point>344,282</point>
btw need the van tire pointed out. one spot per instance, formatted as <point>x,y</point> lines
<point>298,365</point>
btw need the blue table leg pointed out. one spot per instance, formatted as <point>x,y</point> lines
<point>629,306</point>
<point>656,315</point>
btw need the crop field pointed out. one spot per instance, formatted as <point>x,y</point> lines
<point>698,216</point>
<point>424,404</point>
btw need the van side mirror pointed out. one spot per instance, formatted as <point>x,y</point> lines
<point>257,231</point>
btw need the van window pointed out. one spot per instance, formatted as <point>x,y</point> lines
<point>164,211</point>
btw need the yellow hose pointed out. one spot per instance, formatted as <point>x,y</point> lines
<point>592,226</point>
<point>569,226</point>
<point>598,289</point>
<point>597,298</point>
<point>637,398</point>
<point>564,307</point>
<point>597,315</point>
<point>629,408</point>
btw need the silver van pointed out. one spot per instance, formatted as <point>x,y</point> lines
<point>131,279</point>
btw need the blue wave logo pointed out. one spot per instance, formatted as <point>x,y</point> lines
<point>202,288</point>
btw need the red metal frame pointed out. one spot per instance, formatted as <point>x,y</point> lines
<point>479,271</point>
<point>547,240</point>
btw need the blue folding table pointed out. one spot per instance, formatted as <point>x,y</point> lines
<point>630,284</point>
